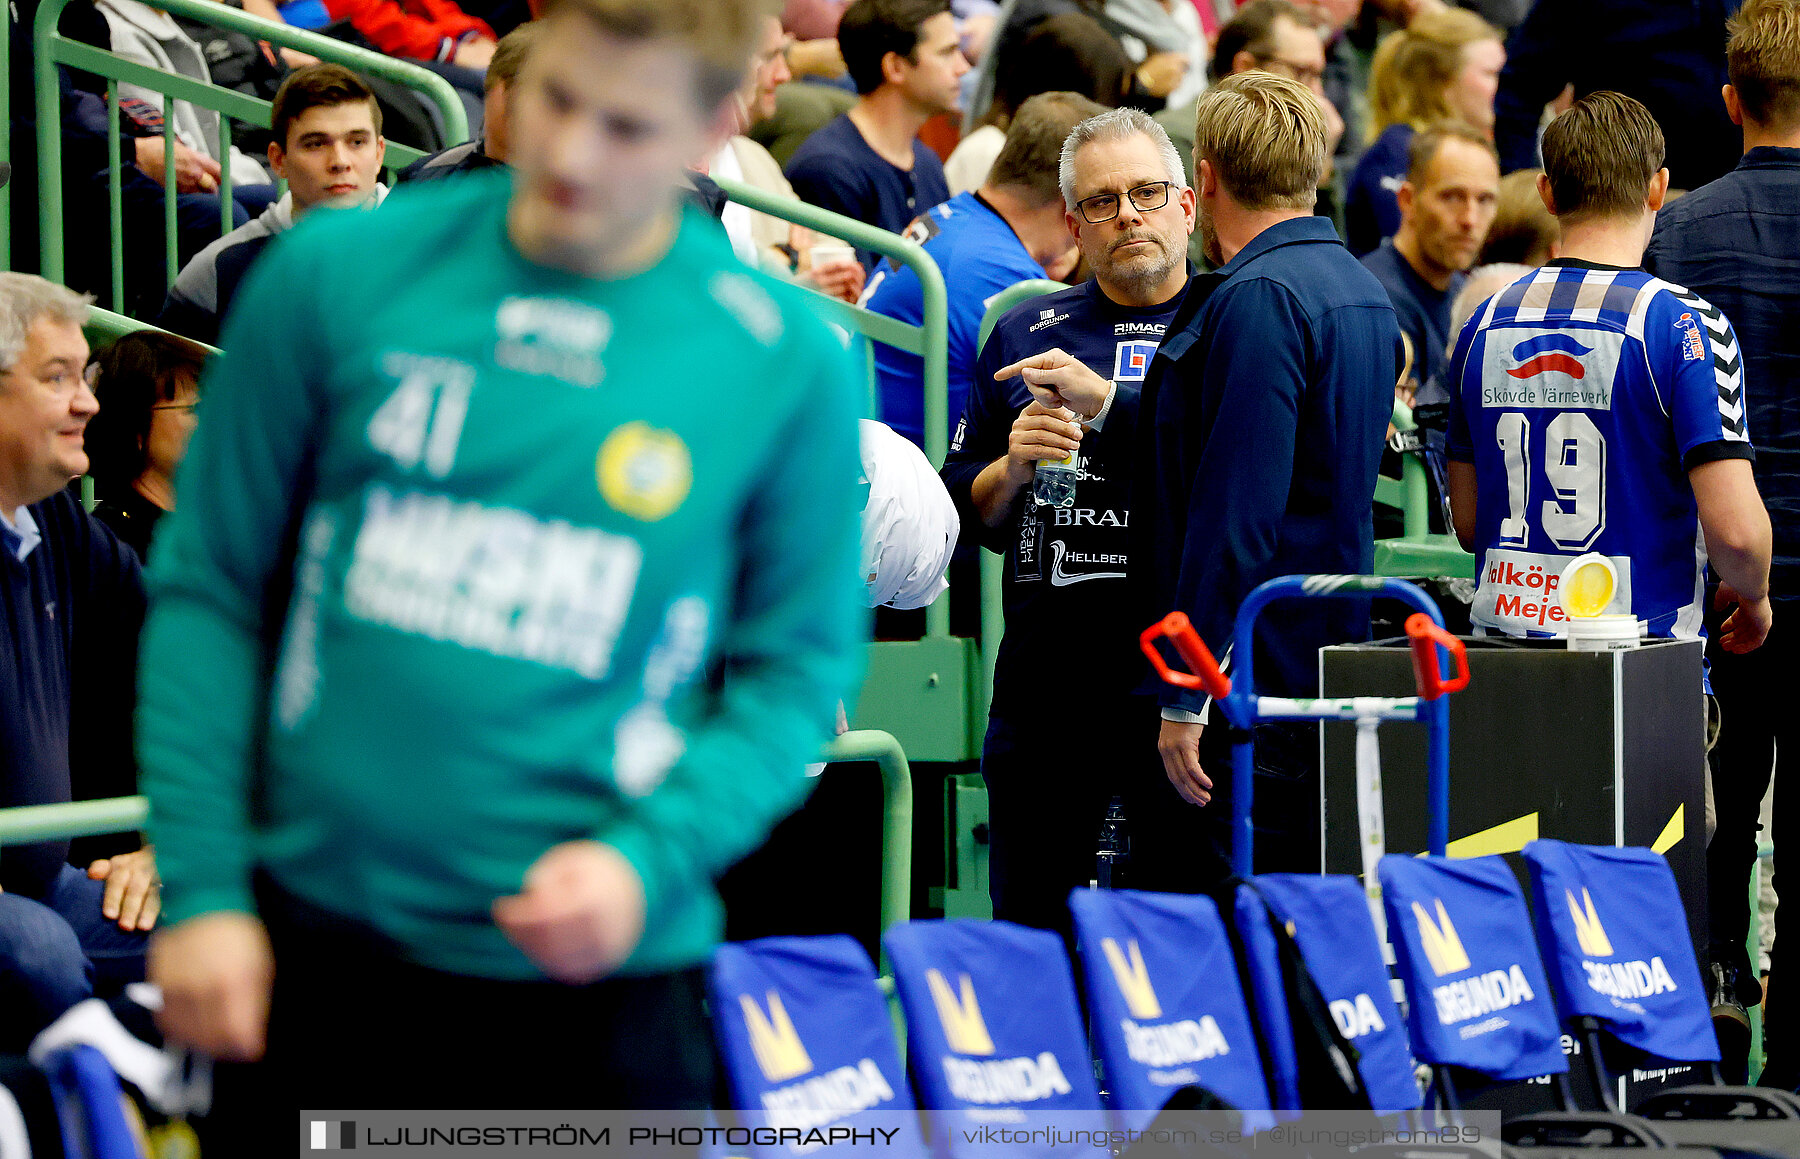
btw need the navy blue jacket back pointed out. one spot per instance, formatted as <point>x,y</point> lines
<point>1261,433</point>
<point>1736,243</point>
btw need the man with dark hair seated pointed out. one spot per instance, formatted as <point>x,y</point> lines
<point>71,600</point>
<point>329,148</point>
<point>489,149</point>
<point>869,163</point>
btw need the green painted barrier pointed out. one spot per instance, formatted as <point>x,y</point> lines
<point>896,817</point>
<point>30,823</point>
<point>51,48</point>
<point>1416,552</point>
<point>27,823</point>
<point>927,692</point>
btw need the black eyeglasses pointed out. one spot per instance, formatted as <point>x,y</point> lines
<point>1103,207</point>
<point>187,406</point>
<point>1306,74</point>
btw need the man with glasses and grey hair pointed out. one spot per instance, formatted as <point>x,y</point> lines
<point>1068,629</point>
<point>71,600</point>
<point>1263,420</point>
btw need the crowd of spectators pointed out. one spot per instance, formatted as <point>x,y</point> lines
<point>1378,166</point>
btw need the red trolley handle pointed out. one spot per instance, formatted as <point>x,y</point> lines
<point>1426,636</point>
<point>1180,633</point>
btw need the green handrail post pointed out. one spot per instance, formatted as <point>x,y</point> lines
<point>930,340</point>
<point>27,823</point>
<point>50,48</point>
<point>896,817</point>
<point>1011,296</point>
<point>1416,514</point>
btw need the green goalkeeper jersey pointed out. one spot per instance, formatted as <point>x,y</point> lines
<point>475,556</point>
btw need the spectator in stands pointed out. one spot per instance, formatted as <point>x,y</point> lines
<point>489,149</point>
<point>1261,432</point>
<point>1524,231</point>
<point>1068,52</point>
<point>1008,231</point>
<point>72,600</point>
<point>1346,77</point>
<point>151,37</point>
<point>328,147</point>
<point>761,239</point>
<point>1736,241</point>
<point>1669,56</point>
<point>869,163</point>
<point>1443,67</point>
<point>148,382</point>
<point>1446,204</point>
<point>617,701</point>
<point>1130,209</point>
<point>1275,36</point>
<point>1165,44</point>
<point>430,31</point>
<point>1627,408</point>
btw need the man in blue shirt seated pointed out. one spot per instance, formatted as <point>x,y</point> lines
<point>906,59</point>
<point>71,601</point>
<point>1447,202</point>
<point>1009,230</point>
<point>1069,628</point>
<point>1736,242</point>
<point>1263,421</point>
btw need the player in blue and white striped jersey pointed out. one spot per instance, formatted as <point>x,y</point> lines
<point>1595,408</point>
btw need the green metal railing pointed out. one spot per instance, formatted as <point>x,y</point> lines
<point>51,48</point>
<point>930,340</point>
<point>1417,552</point>
<point>896,817</point>
<point>123,814</point>
<point>27,823</point>
<point>925,691</point>
<point>105,326</point>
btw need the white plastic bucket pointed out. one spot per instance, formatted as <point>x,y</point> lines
<point>1614,633</point>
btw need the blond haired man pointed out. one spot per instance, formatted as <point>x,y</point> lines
<point>566,617</point>
<point>1736,242</point>
<point>1264,412</point>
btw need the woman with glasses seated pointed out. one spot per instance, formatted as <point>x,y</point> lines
<point>147,383</point>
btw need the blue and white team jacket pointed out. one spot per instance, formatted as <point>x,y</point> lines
<point>1583,395</point>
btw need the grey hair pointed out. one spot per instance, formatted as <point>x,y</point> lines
<point>24,298</point>
<point>1117,125</point>
<point>1482,284</point>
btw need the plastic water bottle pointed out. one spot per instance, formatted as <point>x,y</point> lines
<point>1112,862</point>
<point>1054,484</point>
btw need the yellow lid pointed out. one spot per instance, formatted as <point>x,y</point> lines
<point>1587,585</point>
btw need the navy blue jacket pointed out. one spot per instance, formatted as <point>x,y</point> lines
<point>69,619</point>
<point>1669,54</point>
<point>1261,433</point>
<point>1736,243</point>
